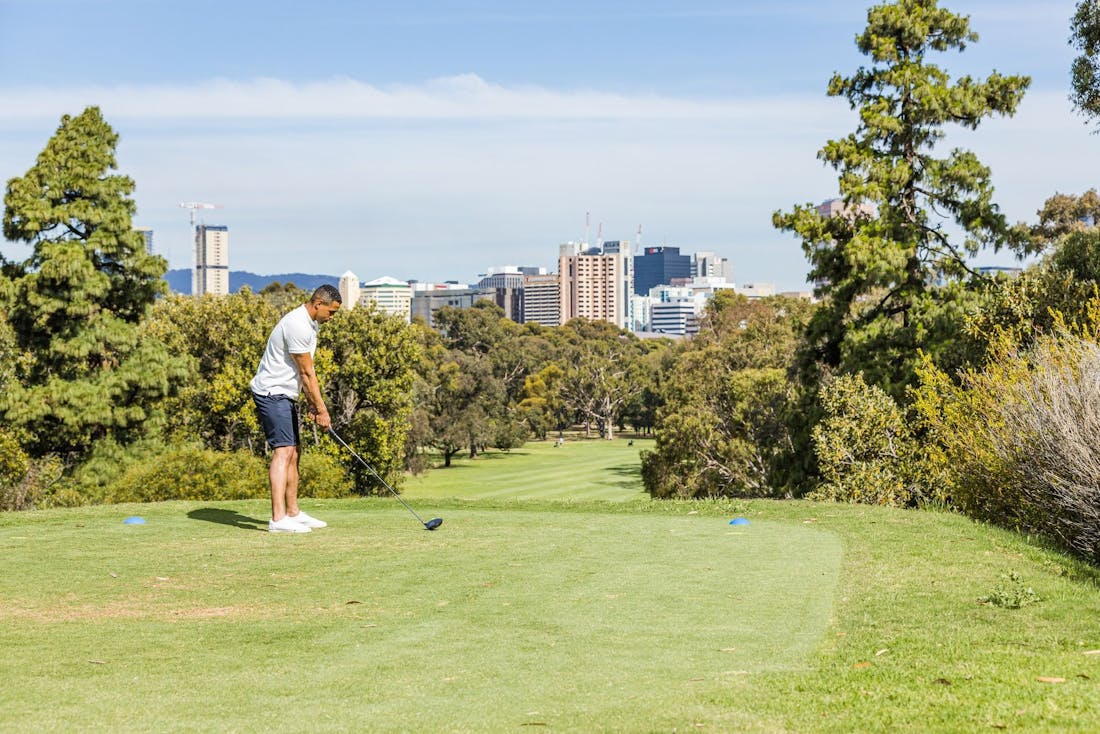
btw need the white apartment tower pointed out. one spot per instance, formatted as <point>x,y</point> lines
<point>211,271</point>
<point>349,290</point>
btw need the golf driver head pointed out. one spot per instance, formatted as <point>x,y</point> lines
<point>433,523</point>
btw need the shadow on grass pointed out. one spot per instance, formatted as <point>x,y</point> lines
<point>227,517</point>
<point>630,473</point>
<point>463,461</point>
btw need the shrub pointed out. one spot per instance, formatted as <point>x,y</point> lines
<point>1053,421</point>
<point>192,473</point>
<point>865,449</point>
<point>1018,439</point>
<point>322,476</point>
<point>196,473</point>
<point>25,483</point>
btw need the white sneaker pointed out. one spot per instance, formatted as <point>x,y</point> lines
<point>286,525</point>
<point>310,522</point>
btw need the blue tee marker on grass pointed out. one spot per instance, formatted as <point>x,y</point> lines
<point>739,521</point>
<point>134,520</point>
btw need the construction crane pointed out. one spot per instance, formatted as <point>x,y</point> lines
<point>193,205</point>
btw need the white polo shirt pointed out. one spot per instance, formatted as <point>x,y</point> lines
<point>296,333</point>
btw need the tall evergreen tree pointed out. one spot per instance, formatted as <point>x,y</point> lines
<point>79,301</point>
<point>893,266</point>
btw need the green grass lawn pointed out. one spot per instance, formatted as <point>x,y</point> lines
<point>586,615</point>
<point>579,469</point>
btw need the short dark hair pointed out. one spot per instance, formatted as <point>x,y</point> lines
<point>326,294</point>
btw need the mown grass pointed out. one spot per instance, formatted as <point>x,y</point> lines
<point>628,615</point>
<point>576,470</point>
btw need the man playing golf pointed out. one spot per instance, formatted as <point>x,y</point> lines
<point>286,368</point>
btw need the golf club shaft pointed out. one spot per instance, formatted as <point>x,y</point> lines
<point>376,475</point>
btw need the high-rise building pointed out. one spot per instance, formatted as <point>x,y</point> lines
<point>211,271</point>
<point>146,234</point>
<point>709,265</point>
<point>596,283</point>
<point>541,302</point>
<point>658,266</point>
<point>349,290</point>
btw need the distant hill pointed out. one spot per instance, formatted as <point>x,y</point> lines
<point>179,280</point>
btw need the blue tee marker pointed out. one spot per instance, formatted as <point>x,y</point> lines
<point>739,521</point>
<point>134,520</point>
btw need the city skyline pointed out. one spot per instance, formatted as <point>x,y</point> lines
<point>435,141</point>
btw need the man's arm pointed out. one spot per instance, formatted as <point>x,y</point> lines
<point>312,389</point>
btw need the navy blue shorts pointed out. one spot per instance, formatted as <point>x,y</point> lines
<point>279,417</point>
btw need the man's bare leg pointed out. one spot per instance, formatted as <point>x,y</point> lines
<point>283,477</point>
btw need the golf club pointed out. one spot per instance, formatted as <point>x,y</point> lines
<point>430,525</point>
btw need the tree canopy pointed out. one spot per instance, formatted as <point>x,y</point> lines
<point>1085,72</point>
<point>892,264</point>
<point>77,303</point>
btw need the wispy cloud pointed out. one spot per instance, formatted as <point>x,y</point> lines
<point>439,179</point>
<point>462,97</point>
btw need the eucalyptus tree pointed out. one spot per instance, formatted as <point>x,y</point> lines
<point>1085,71</point>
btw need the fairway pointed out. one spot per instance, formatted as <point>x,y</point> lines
<point>574,620</point>
<point>592,469</point>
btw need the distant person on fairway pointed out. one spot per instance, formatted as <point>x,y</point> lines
<point>285,369</point>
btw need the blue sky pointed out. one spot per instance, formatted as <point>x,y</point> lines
<point>434,140</point>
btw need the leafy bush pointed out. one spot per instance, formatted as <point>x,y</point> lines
<point>25,483</point>
<point>865,449</point>
<point>1018,439</point>
<point>92,481</point>
<point>196,473</point>
<point>192,473</point>
<point>323,475</point>
<point>510,434</point>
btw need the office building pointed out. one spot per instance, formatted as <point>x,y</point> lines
<point>509,282</point>
<point>388,295</point>
<point>710,265</point>
<point>680,316</point>
<point>210,274</point>
<point>541,302</point>
<point>425,302</point>
<point>756,290</point>
<point>596,283</point>
<point>658,266</point>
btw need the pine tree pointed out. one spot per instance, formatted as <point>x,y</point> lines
<point>894,265</point>
<point>78,303</point>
